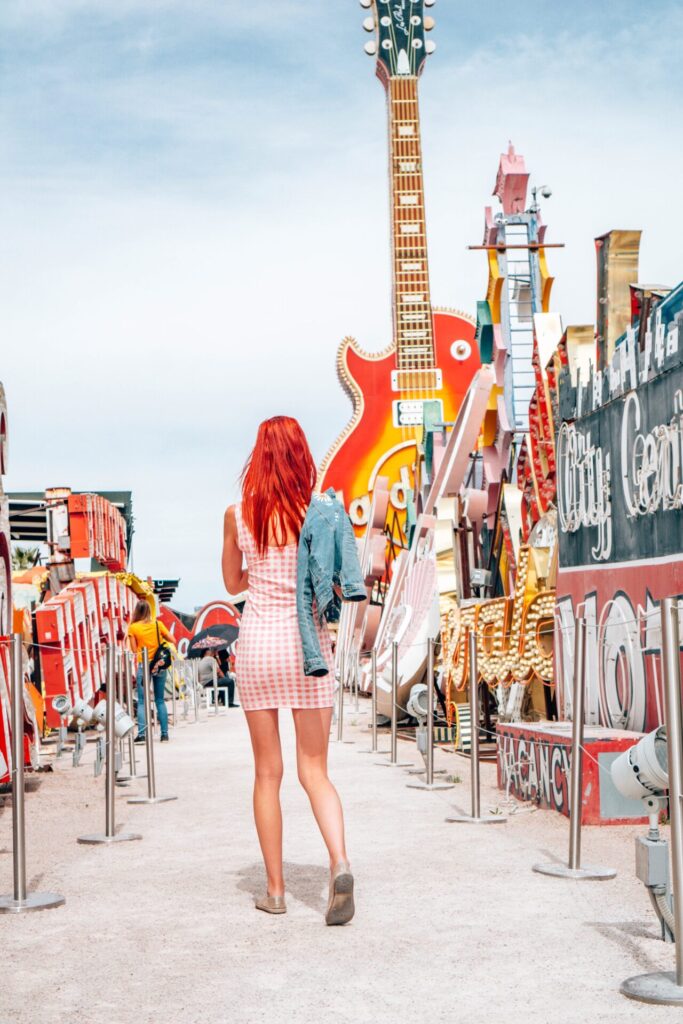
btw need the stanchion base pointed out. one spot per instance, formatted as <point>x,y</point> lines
<point>130,778</point>
<point>395,764</point>
<point>421,771</point>
<point>659,987</point>
<point>150,799</point>
<point>100,838</point>
<point>588,871</point>
<point>427,785</point>
<point>33,901</point>
<point>377,753</point>
<point>487,819</point>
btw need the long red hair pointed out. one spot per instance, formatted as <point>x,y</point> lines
<point>277,482</point>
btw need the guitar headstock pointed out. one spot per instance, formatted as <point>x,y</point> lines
<point>399,27</point>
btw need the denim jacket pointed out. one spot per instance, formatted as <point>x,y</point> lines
<point>327,557</point>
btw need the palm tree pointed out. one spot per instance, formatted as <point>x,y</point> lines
<point>25,558</point>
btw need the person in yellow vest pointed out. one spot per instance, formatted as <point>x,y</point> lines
<point>145,633</point>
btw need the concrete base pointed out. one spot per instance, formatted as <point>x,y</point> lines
<point>588,871</point>
<point>425,785</point>
<point>467,819</point>
<point>150,799</point>
<point>659,987</point>
<point>98,838</point>
<point>33,901</point>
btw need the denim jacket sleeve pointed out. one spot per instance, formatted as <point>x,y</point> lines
<point>314,663</point>
<point>350,572</point>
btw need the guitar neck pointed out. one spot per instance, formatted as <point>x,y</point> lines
<point>413,333</point>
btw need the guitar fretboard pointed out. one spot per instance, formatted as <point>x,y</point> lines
<point>412,305</point>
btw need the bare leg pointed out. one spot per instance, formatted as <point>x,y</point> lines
<point>265,742</point>
<point>312,737</point>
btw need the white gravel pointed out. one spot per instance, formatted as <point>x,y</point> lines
<point>452,925</point>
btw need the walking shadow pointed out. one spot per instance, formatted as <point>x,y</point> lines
<point>306,883</point>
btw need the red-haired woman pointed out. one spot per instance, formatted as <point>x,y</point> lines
<point>277,485</point>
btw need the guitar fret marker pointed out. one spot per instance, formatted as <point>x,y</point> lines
<point>410,229</point>
<point>406,129</point>
<point>409,200</point>
<point>413,297</point>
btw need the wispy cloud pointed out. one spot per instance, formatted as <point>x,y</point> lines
<point>194,208</point>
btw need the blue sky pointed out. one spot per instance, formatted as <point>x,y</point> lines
<point>194,213</point>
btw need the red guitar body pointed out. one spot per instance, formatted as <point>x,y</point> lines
<point>371,444</point>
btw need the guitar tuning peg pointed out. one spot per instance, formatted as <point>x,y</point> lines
<point>371,48</point>
<point>429,24</point>
<point>369,24</point>
<point>428,3</point>
<point>430,46</point>
<point>366,3</point>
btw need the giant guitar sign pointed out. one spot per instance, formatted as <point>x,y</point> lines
<point>432,356</point>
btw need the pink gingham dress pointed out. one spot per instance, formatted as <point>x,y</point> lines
<point>269,662</point>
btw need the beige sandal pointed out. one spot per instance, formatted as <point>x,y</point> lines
<point>341,907</point>
<point>272,904</point>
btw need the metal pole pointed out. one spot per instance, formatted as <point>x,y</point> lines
<point>340,697</point>
<point>128,686</point>
<point>195,689</point>
<point>110,825</point>
<point>573,867</point>
<point>173,693</point>
<point>372,749</point>
<point>394,703</point>
<point>393,761</point>
<point>666,987</point>
<point>576,770</point>
<point>20,900</point>
<point>110,835</point>
<point>149,734</point>
<point>356,703</point>
<point>475,781</point>
<point>430,713</point>
<point>18,792</point>
<point>151,797</point>
<point>674,732</point>
<point>429,775</point>
<point>373,679</point>
<point>475,817</point>
<point>215,687</point>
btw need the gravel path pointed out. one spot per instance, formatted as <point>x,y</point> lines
<point>452,925</point>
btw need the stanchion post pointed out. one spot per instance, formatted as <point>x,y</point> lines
<point>110,835</point>
<point>373,678</point>
<point>393,761</point>
<point>214,672</point>
<point>340,699</point>
<point>666,987</point>
<point>475,817</point>
<point>20,900</point>
<point>151,797</point>
<point>429,777</point>
<point>372,749</point>
<point>128,679</point>
<point>573,869</point>
<point>394,702</point>
<point>195,689</point>
<point>173,693</point>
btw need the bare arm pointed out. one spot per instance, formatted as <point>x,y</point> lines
<point>235,577</point>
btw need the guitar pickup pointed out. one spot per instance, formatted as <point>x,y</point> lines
<point>409,412</point>
<point>416,380</point>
